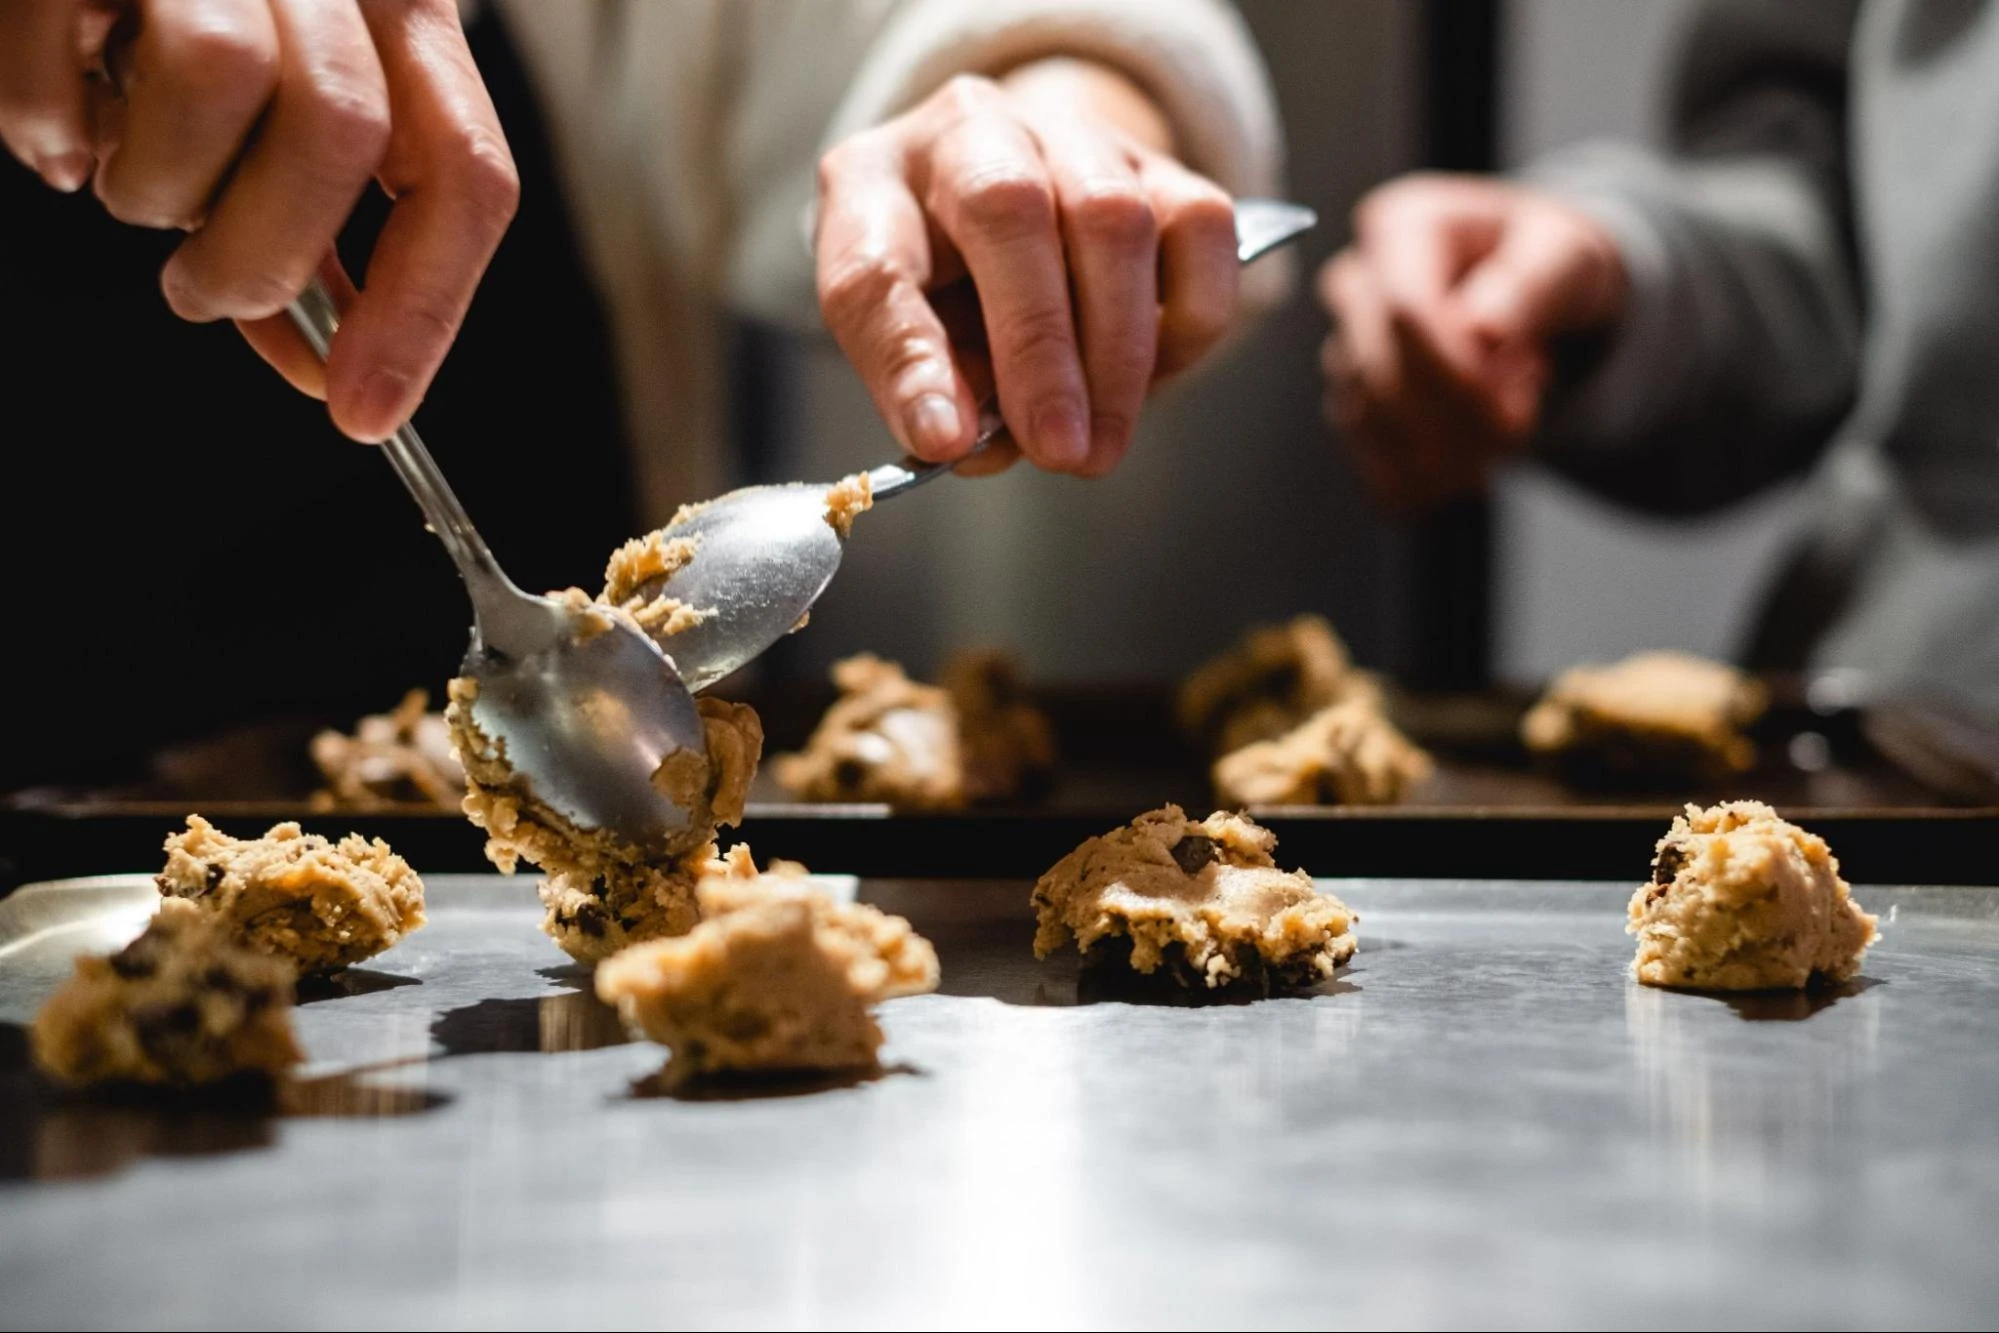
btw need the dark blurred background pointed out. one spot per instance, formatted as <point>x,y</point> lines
<point>218,554</point>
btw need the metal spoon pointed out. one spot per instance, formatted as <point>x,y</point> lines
<point>764,554</point>
<point>586,713</point>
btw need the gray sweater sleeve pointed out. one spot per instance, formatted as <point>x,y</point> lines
<point>1739,351</point>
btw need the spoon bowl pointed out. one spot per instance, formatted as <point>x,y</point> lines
<point>584,704</point>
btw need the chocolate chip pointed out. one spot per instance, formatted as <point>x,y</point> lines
<point>849,774</point>
<point>257,999</point>
<point>220,980</point>
<point>1193,852</point>
<point>1280,681</point>
<point>1667,863</point>
<point>158,1021</point>
<point>591,919</point>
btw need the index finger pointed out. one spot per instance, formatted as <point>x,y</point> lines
<point>873,259</point>
<point>991,193</point>
<point>455,188</point>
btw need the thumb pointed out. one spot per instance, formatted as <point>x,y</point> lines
<point>1549,274</point>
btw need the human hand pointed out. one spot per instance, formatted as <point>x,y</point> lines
<point>1035,235</point>
<point>254,126</point>
<point>1443,310</point>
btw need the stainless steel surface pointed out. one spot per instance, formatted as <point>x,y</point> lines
<point>1482,1122</point>
<point>587,714</point>
<point>764,554</point>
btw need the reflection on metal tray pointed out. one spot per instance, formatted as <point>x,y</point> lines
<point>1482,1121</point>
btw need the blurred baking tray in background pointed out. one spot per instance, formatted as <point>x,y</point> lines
<point>1905,793</point>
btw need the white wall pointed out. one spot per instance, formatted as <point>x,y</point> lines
<point>1578,579</point>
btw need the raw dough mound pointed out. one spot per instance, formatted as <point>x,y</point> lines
<point>182,1004</point>
<point>976,738</point>
<point>1006,742</point>
<point>1348,754</point>
<point>777,977</point>
<point>887,738</point>
<point>399,758</point>
<point>1206,899</point>
<point>1276,678</point>
<point>1653,716</point>
<point>602,893</point>
<point>1743,900</point>
<point>294,895</point>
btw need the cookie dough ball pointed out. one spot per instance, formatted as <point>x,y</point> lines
<point>317,904</point>
<point>1743,900</point>
<point>1656,716</point>
<point>602,893</point>
<point>1204,900</point>
<point>776,978</point>
<point>1275,679</point>
<point>593,915</point>
<point>182,1004</point>
<point>1007,744</point>
<point>398,758</point>
<point>1348,754</point>
<point>886,738</point>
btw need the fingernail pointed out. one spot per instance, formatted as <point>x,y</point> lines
<point>1062,434</point>
<point>933,423</point>
<point>381,404</point>
<point>67,172</point>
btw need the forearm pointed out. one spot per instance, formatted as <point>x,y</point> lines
<point>1738,351</point>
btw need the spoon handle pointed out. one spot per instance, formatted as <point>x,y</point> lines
<point>1261,225</point>
<point>318,319</point>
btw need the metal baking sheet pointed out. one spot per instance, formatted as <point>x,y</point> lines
<point>1481,1122</point>
<point>1909,846</point>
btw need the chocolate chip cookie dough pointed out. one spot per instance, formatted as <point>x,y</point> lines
<point>601,892</point>
<point>976,738</point>
<point>294,895</point>
<point>182,1004</point>
<point>1205,900</point>
<point>1007,744</point>
<point>1270,683</point>
<point>777,977</point>
<point>634,579</point>
<point>398,758</point>
<point>1655,716</point>
<point>1741,899</point>
<point>886,738</point>
<point>1348,754</point>
<point>848,499</point>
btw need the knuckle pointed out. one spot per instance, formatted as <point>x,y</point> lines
<point>1038,336</point>
<point>965,95</point>
<point>1007,203</point>
<point>1116,215</point>
<point>430,312</point>
<point>220,52</point>
<point>854,288</point>
<point>483,172</point>
<point>351,119</point>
